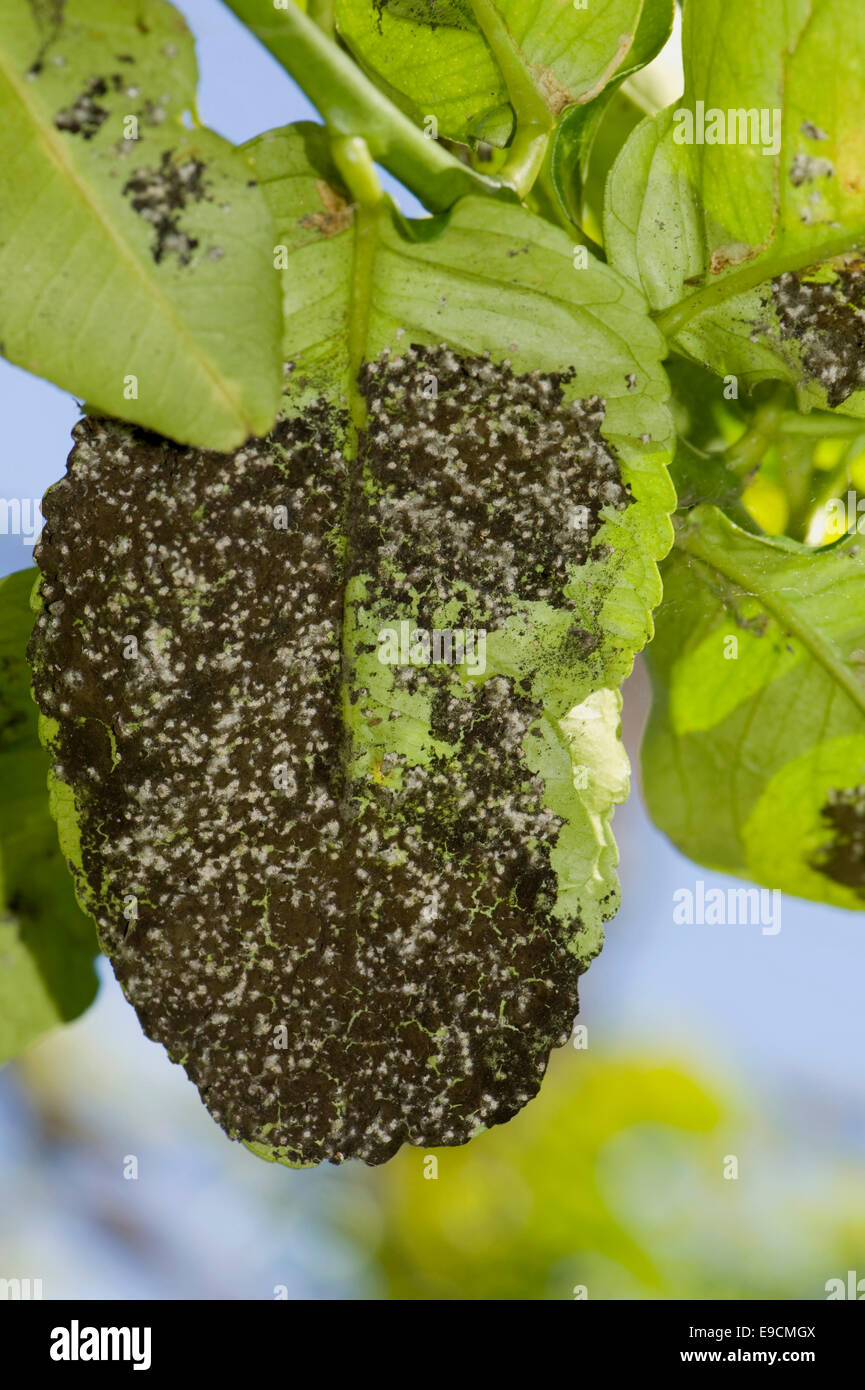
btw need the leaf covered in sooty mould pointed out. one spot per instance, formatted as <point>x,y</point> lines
<point>338,713</point>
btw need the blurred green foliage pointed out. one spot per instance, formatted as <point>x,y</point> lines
<point>614,1179</point>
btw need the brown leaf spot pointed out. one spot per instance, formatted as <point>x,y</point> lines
<point>553,92</point>
<point>734,253</point>
<point>337,215</point>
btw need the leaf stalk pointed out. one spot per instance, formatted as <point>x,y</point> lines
<point>352,106</point>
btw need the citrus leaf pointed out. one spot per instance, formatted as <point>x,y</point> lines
<point>47,945</point>
<point>754,756</point>
<point>354,108</point>
<point>136,262</point>
<point>748,245</point>
<point>589,136</point>
<point>436,59</point>
<point>356,771</point>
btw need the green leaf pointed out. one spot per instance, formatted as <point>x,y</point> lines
<point>475,442</point>
<point>47,945</point>
<point>136,273</point>
<point>749,249</point>
<point>754,757</point>
<point>353,107</point>
<point>470,1239</point>
<point>458,61</point>
<point>590,136</point>
<point>578,138</point>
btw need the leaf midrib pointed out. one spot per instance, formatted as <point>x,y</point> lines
<point>674,319</point>
<point>55,150</point>
<point>365,234</point>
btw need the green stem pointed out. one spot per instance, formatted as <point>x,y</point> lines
<point>795,460</point>
<point>544,201</point>
<point>352,157</point>
<point>351,105</point>
<point>529,106</point>
<point>533,118</point>
<point>822,425</point>
<point>525,158</point>
<point>750,449</point>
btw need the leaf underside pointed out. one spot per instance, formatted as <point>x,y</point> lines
<point>136,264</point>
<point>47,945</point>
<point>754,757</point>
<point>433,59</point>
<point>354,896</point>
<point>745,224</point>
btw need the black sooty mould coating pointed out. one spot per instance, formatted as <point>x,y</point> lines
<point>828,320</point>
<point>341,968</point>
<point>843,857</point>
